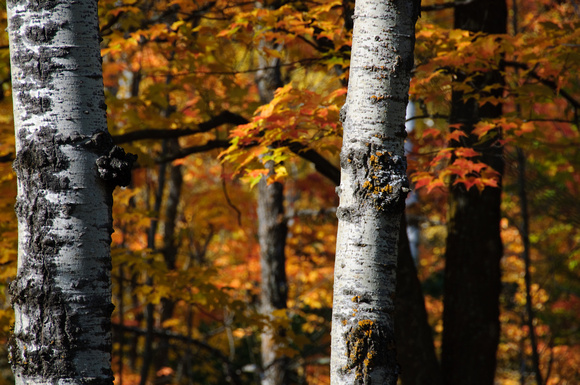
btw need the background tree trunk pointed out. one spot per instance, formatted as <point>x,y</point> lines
<point>67,168</point>
<point>274,287</point>
<point>474,247</point>
<point>414,336</point>
<point>272,233</point>
<point>372,193</point>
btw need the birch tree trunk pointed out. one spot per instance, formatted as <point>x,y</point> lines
<point>372,192</point>
<point>67,168</point>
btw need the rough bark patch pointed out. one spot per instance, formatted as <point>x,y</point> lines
<point>366,347</point>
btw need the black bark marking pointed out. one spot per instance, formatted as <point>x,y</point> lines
<point>43,34</point>
<point>37,5</point>
<point>115,167</point>
<point>35,105</point>
<point>385,183</point>
<point>347,214</point>
<point>37,166</point>
<point>54,336</point>
<point>38,65</point>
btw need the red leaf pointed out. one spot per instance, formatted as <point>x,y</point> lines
<point>468,182</point>
<point>466,152</point>
<point>455,135</point>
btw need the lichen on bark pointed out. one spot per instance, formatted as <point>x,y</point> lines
<point>365,348</point>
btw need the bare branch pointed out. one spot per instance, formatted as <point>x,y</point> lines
<point>442,6</point>
<point>548,83</point>
<point>225,117</point>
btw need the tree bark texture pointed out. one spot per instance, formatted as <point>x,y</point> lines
<point>67,168</point>
<point>474,247</point>
<point>272,233</point>
<point>169,251</point>
<point>372,193</point>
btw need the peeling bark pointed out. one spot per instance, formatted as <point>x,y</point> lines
<point>372,193</point>
<point>67,168</point>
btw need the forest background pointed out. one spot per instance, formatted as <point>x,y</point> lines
<point>183,80</point>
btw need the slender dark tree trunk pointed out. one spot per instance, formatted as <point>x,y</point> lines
<point>272,234</point>
<point>148,350</point>
<point>169,252</point>
<point>474,247</point>
<point>414,336</point>
<point>525,231</point>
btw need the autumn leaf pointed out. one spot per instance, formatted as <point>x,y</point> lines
<point>455,135</point>
<point>466,152</point>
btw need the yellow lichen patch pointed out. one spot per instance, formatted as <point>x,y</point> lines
<point>365,324</point>
<point>363,344</point>
<point>388,189</point>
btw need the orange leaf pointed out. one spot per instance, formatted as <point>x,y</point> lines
<point>468,165</point>
<point>468,182</point>
<point>423,180</point>
<point>483,128</point>
<point>434,184</point>
<point>433,132</point>
<point>466,152</point>
<point>455,135</point>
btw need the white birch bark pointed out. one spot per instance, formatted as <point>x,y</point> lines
<point>67,168</point>
<point>372,192</point>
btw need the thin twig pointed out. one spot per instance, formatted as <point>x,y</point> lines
<point>228,200</point>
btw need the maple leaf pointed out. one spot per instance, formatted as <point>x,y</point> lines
<point>435,184</point>
<point>443,154</point>
<point>421,179</point>
<point>466,152</point>
<point>468,182</point>
<point>455,135</point>
<point>425,179</point>
<point>254,176</point>
<point>482,128</point>
<point>468,165</point>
